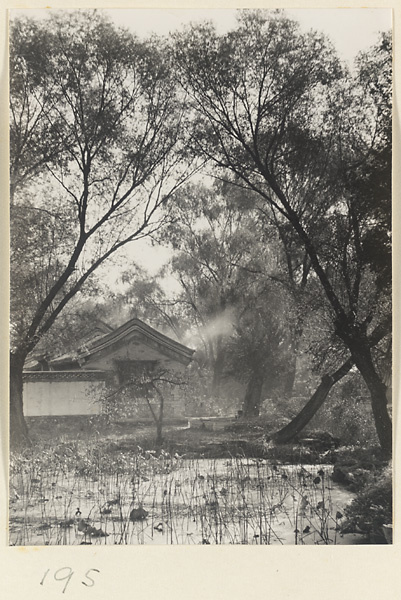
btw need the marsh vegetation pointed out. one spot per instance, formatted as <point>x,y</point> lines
<point>76,494</point>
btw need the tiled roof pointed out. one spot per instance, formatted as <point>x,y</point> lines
<point>91,347</point>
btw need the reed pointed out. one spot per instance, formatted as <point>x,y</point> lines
<point>83,496</point>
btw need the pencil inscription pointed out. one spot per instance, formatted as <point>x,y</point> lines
<point>66,574</point>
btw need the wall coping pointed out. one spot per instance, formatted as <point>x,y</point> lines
<point>82,375</point>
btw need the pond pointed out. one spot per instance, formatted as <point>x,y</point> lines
<point>172,500</point>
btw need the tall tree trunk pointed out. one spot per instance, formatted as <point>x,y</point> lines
<point>287,433</point>
<point>159,433</point>
<point>218,368</point>
<point>292,365</point>
<point>253,395</point>
<point>159,420</point>
<point>19,435</point>
<point>378,396</point>
<point>290,376</point>
<point>351,333</point>
<point>360,345</point>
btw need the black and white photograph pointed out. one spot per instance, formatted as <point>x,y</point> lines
<point>200,278</point>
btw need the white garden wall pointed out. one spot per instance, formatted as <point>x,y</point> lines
<point>43,398</point>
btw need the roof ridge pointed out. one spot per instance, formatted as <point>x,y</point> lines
<point>108,339</point>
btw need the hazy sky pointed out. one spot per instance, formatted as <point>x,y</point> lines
<point>351,29</point>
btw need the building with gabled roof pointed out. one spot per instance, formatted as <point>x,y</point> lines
<point>73,383</point>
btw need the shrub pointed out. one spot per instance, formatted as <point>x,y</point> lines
<point>373,506</point>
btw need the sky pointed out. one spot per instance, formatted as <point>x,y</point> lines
<point>351,29</point>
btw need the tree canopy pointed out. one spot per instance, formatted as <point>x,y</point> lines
<point>96,140</point>
<point>105,131</point>
<point>276,112</point>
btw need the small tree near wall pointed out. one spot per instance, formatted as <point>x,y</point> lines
<point>151,387</point>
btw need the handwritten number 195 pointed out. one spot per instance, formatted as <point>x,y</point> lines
<point>66,574</point>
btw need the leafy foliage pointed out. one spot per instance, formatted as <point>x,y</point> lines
<point>115,122</point>
<point>373,506</point>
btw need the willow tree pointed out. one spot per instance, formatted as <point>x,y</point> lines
<point>96,151</point>
<point>277,113</point>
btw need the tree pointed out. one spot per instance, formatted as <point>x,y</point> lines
<point>275,109</point>
<point>222,266</point>
<point>259,350</point>
<point>96,152</point>
<point>152,384</point>
<point>328,380</point>
<point>234,290</point>
<point>211,240</point>
<point>34,141</point>
<point>146,299</point>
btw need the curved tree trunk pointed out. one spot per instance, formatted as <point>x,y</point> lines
<point>253,395</point>
<point>287,433</point>
<point>19,435</point>
<point>360,346</point>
